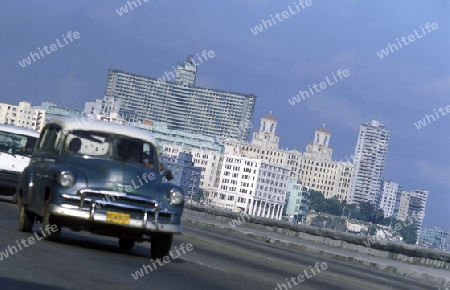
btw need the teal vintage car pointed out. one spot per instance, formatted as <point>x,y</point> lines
<point>100,177</point>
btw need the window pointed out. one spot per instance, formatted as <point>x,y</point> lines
<point>50,140</point>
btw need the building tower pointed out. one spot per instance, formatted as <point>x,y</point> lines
<point>370,154</point>
<point>266,137</point>
<point>186,72</point>
<point>320,148</point>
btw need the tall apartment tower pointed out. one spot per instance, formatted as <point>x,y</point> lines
<point>370,154</point>
<point>180,104</point>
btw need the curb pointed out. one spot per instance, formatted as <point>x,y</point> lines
<point>402,271</point>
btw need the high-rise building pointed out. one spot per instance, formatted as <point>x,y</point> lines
<point>211,112</point>
<point>370,154</point>
<point>412,207</point>
<point>22,115</point>
<point>388,197</point>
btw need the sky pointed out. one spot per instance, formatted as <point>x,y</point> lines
<point>309,44</point>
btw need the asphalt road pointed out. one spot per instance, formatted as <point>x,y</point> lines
<point>214,260</point>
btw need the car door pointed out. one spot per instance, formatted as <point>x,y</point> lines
<point>43,168</point>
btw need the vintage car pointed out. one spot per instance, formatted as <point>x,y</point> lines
<point>16,147</point>
<point>100,177</point>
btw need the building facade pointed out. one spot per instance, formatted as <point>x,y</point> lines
<point>370,154</point>
<point>104,107</point>
<point>388,197</point>
<point>434,238</point>
<point>264,146</point>
<point>321,173</point>
<point>297,201</point>
<point>210,112</point>
<point>53,111</point>
<point>207,160</point>
<point>315,167</point>
<point>412,207</point>
<point>184,173</point>
<point>22,115</point>
<point>252,186</point>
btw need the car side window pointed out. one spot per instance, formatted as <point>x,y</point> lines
<point>137,151</point>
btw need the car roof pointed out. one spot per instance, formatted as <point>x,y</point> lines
<point>19,130</point>
<point>85,124</point>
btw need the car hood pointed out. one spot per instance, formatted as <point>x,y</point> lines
<point>101,173</point>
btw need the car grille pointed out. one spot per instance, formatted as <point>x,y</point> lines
<point>101,201</point>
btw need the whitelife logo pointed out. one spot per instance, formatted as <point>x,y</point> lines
<point>31,240</point>
<point>36,56</point>
<point>430,118</point>
<point>300,278</point>
<point>285,14</point>
<point>166,259</point>
<point>323,85</point>
<point>124,9</point>
<point>411,38</point>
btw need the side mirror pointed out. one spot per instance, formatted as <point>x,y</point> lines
<point>168,175</point>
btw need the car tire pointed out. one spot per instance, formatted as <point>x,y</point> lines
<point>26,220</point>
<point>160,245</point>
<point>47,221</point>
<point>126,244</point>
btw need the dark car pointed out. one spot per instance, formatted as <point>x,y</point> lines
<point>103,178</point>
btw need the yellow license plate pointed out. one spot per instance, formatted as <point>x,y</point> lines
<point>117,217</point>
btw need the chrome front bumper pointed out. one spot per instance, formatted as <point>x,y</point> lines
<point>145,214</point>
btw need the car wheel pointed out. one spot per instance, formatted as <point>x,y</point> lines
<point>160,245</point>
<point>26,220</point>
<point>126,244</point>
<point>47,222</point>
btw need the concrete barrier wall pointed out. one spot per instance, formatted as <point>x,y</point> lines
<point>408,253</point>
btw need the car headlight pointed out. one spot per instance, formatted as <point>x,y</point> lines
<point>176,197</point>
<point>66,179</point>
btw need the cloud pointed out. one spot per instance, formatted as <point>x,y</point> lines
<point>440,86</point>
<point>7,74</point>
<point>67,88</point>
<point>433,173</point>
<point>339,110</point>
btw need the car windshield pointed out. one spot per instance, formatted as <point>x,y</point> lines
<point>87,143</point>
<point>125,149</point>
<point>17,144</point>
